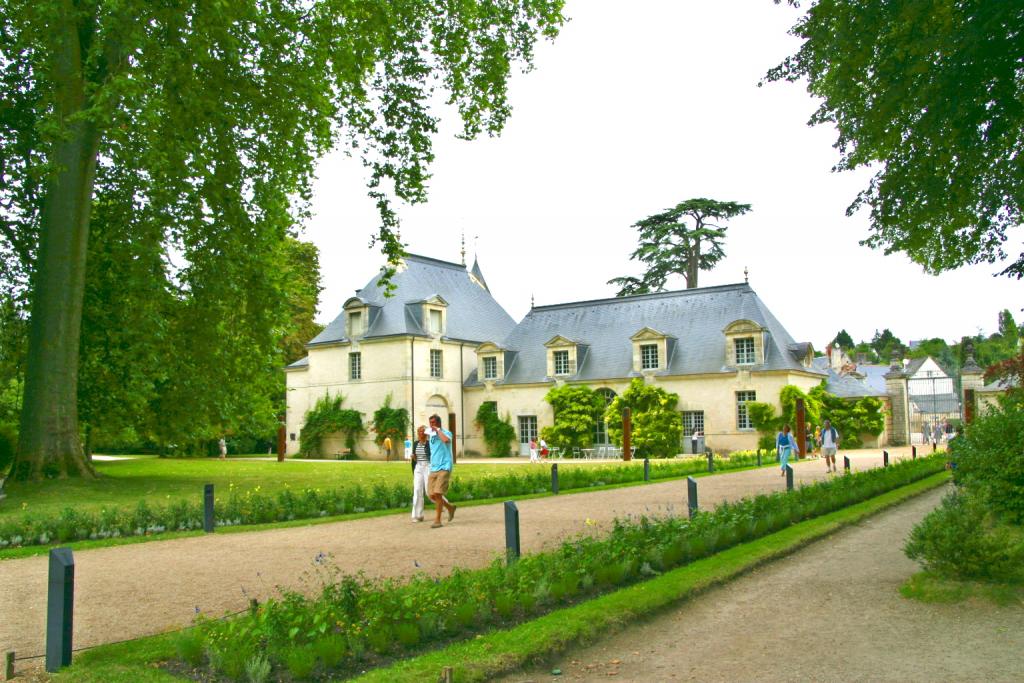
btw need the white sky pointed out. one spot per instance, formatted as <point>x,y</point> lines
<point>632,109</point>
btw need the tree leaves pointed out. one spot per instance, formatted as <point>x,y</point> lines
<point>679,241</point>
<point>930,95</point>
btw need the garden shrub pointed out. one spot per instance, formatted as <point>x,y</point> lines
<point>498,433</point>
<point>958,540</point>
<point>394,617</point>
<point>577,408</point>
<point>657,425</point>
<point>990,459</point>
<point>390,423</point>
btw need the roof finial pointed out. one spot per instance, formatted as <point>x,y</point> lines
<point>531,301</point>
<point>463,247</point>
<point>746,275</point>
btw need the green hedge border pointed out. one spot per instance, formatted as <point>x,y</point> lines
<point>500,652</point>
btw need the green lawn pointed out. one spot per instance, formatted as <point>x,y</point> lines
<point>125,482</point>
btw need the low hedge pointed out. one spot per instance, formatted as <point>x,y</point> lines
<point>257,507</point>
<point>357,622</point>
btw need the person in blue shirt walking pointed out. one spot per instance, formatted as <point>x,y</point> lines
<point>785,444</point>
<point>440,469</point>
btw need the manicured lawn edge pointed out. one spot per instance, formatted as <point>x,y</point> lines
<point>503,651</point>
<point>34,550</point>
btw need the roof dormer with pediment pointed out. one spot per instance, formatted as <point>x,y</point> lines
<point>493,362</point>
<point>691,330</point>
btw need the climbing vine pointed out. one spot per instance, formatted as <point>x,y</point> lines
<point>328,417</point>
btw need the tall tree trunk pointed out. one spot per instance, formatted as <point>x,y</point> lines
<point>693,264</point>
<point>49,443</point>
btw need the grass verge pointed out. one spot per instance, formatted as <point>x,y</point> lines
<point>931,588</point>
<point>33,550</point>
<point>503,651</point>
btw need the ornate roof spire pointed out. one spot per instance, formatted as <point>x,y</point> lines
<point>463,247</point>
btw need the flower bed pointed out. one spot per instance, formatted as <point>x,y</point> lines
<point>356,622</point>
<point>257,507</point>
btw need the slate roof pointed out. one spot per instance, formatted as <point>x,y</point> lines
<point>472,313</point>
<point>478,274</point>
<point>1000,385</point>
<point>299,364</point>
<point>696,319</point>
<point>849,386</point>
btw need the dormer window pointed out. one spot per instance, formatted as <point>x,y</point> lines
<point>745,343</point>
<point>745,353</point>
<point>435,321</point>
<point>649,357</point>
<point>359,317</point>
<point>561,358</point>
<point>565,356</point>
<point>652,350</point>
<point>355,323</point>
<point>490,367</point>
<point>492,361</point>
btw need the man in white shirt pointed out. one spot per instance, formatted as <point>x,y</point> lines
<point>829,445</point>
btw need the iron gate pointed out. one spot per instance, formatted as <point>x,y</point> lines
<point>935,410</point>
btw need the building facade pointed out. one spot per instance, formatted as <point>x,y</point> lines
<point>442,344</point>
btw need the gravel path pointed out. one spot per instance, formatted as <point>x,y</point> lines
<point>830,612</point>
<point>134,590</point>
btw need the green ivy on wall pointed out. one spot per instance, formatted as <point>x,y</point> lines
<point>498,433</point>
<point>328,417</point>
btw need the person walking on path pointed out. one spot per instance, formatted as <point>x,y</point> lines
<point>420,473</point>
<point>533,449</point>
<point>440,469</point>
<point>785,444</point>
<point>937,434</point>
<point>829,445</point>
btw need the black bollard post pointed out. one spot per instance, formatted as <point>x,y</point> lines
<point>9,665</point>
<point>758,457</point>
<point>691,495</point>
<point>846,463</point>
<point>913,452</point>
<point>711,461</point>
<point>789,477</point>
<point>554,478</point>
<point>208,508</point>
<point>60,605</point>
<point>647,469</point>
<point>885,458</point>
<point>511,532</point>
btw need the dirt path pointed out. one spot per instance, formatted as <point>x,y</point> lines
<point>134,590</point>
<point>831,612</point>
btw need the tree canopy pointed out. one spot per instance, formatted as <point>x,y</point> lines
<point>194,129</point>
<point>682,240</point>
<point>928,94</point>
